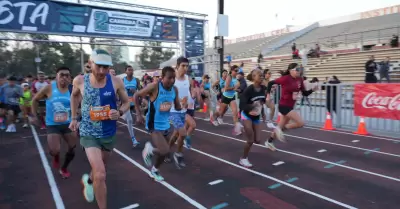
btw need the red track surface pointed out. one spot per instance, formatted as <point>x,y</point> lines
<point>364,180</point>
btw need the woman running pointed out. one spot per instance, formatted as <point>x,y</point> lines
<point>219,86</point>
<point>269,104</point>
<point>291,84</point>
<point>229,99</point>
<point>25,103</point>
<point>206,95</point>
<point>251,104</point>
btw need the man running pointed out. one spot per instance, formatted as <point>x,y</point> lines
<point>3,106</point>
<point>58,116</point>
<point>36,87</point>
<point>99,91</point>
<point>11,92</point>
<point>131,84</point>
<point>25,103</point>
<point>161,97</point>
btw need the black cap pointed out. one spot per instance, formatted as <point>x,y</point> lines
<point>206,77</point>
<point>12,78</point>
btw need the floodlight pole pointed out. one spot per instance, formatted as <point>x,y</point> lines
<point>82,53</point>
<point>221,50</point>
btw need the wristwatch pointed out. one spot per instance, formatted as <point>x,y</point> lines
<point>121,112</point>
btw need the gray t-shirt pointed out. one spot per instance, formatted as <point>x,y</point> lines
<point>11,94</point>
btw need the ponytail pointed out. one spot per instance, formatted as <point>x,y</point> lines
<point>250,76</point>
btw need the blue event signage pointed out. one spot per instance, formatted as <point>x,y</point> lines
<point>194,45</point>
<point>50,17</point>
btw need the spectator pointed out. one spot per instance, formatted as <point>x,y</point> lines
<point>370,69</point>
<point>228,59</point>
<point>307,87</point>
<point>260,58</point>
<point>331,93</point>
<point>241,67</point>
<point>293,47</point>
<point>301,70</point>
<point>395,41</point>
<point>295,54</point>
<point>317,50</point>
<point>384,70</point>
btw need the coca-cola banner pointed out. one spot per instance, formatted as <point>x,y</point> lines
<point>377,100</point>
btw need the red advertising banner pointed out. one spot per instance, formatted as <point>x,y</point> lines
<point>377,100</point>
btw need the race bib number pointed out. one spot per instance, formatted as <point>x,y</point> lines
<point>130,99</point>
<point>295,95</point>
<point>165,107</point>
<point>60,117</point>
<point>184,101</point>
<point>100,113</point>
<point>256,110</point>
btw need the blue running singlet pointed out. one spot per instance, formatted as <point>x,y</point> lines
<point>95,106</point>
<point>129,86</point>
<point>158,114</point>
<point>58,107</point>
<point>230,93</point>
<point>207,86</point>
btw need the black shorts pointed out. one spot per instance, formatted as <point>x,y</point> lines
<point>14,108</point>
<point>190,112</point>
<point>3,106</point>
<point>42,103</point>
<point>227,100</point>
<point>284,110</point>
<point>58,129</point>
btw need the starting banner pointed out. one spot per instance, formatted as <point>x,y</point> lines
<point>57,18</point>
<point>377,101</point>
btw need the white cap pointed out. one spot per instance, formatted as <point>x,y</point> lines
<point>101,57</point>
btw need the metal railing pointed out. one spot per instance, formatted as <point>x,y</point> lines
<point>338,99</point>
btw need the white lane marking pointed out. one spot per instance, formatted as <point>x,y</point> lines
<point>50,177</point>
<point>278,163</point>
<point>25,137</point>
<point>164,183</point>
<point>131,206</point>
<point>216,182</point>
<point>349,133</point>
<point>267,177</point>
<point>355,141</point>
<point>321,150</point>
<point>308,157</point>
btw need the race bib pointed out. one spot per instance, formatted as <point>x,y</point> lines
<point>256,110</point>
<point>100,113</point>
<point>130,99</point>
<point>60,117</point>
<point>295,95</point>
<point>191,106</point>
<point>165,107</point>
<point>184,101</point>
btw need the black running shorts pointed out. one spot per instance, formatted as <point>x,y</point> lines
<point>284,110</point>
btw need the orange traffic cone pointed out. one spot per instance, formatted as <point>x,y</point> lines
<point>328,122</point>
<point>204,107</point>
<point>279,118</point>
<point>362,130</point>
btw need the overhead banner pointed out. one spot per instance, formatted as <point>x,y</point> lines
<point>56,18</point>
<point>377,100</point>
<point>194,45</point>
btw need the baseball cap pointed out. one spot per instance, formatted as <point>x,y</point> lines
<point>101,57</point>
<point>24,84</point>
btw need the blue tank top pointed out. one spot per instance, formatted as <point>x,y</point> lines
<point>230,93</point>
<point>58,107</point>
<point>158,114</point>
<point>95,105</point>
<point>221,84</point>
<point>130,85</point>
<point>207,86</point>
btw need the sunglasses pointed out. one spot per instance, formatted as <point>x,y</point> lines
<point>87,66</point>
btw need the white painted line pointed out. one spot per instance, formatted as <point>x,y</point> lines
<point>131,206</point>
<point>355,141</point>
<point>265,176</point>
<point>216,182</point>
<point>321,150</point>
<point>50,177</point>
<point>25,137</point>
<point>164,183</point>
<point>308,157</point>
<point>278,163</point>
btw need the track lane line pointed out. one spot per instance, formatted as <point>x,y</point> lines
<point>265,176</point>
<point>50,177</point>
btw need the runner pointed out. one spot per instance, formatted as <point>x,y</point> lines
<point>291,84</point>
<point>3,107</point>
<point>112,72</point>
<point>179,117</point>
<point>58,116</point>
<point>11,92</point>
<point>25,103</point>
<point>251,103</point>
<point>131,84</point>
<point>219,86</point>
<point>36,87</point>
<point>271,103</point>
<point>162,95</point>
<point>229,99</point>
<point>206,96</point>
<point>99,120</point>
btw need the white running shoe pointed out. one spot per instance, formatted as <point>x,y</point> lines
<point>245,163</point>
<point>270,125</point>
<point>270,146</point>
<point>147,154</point>
<point>220,121</point>
<point>279,134</point>
<point>11,128</point>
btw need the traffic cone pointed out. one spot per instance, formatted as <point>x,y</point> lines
<point>328,122</point>
<point>279,118</point>
<point>204,107</point>
<point>362,130</point>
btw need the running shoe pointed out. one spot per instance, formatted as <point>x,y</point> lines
<point>25,125</point>
<point>56,162</point>
<point>270,146</point>
<point>188,142</point>
<point>2,126</point>
<point>11,128</point>
<point>135,143</point>
<point>156,175</point>
<point>147,154</point>
<point>64,173</point>
<point>88,192</point>
<point>245,163</point>
<point>178,158</point>
<point>279,134</point>
<point>220,121</point>
<point>270,125</point>
<point>237,130</point>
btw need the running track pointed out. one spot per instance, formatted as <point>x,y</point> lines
<point>315,169</point>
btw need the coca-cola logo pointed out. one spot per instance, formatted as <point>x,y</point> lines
<point>372,100</point>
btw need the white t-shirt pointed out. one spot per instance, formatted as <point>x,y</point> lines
<point>183,87</point>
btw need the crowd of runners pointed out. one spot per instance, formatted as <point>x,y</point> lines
<point>87,108</point>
